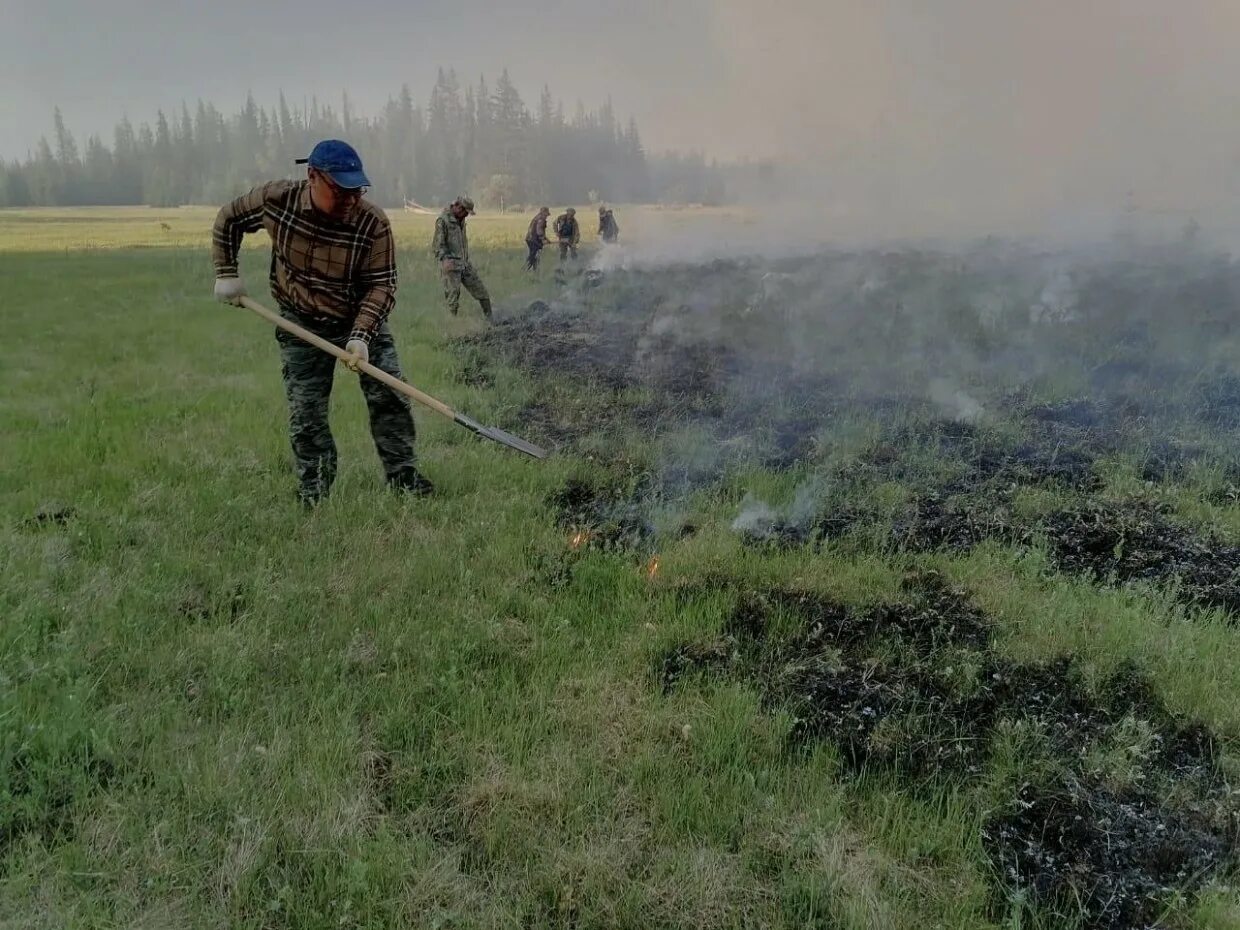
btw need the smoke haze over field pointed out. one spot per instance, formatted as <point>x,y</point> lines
<point>1043,112</point>
<point>958,113</point>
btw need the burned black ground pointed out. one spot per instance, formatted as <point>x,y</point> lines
<point>1132,808</point>
<point>789,348</point>
<point>972,375</point>
<point>925,402</point>
<point>1139,543</point>
<point>1109,542</point>
<point>1111,858</point>
<point>604,515</point>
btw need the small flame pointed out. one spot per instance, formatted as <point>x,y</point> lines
<point>652,568</point>
<point>579,539</point>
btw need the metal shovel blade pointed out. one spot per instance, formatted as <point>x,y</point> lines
<point>495,434</point>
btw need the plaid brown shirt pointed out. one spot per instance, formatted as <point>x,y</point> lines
<point>320,267</point>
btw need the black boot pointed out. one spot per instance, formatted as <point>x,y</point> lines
<point>314,488</point>
<point>310,499</point>
<point>412,482</point>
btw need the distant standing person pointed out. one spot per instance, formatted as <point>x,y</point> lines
<point>568,232</point>
<point>451,248</point>
<point>333,271</point>
<point>608,228</point>
<point>536,238</point>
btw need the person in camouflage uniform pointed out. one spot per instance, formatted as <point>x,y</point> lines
<point>608,228</point>
<point>333,272</point>
<point>536,238</point>
<point>451,248</point>
<point>568,232</point>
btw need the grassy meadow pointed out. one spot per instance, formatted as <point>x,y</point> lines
<point>219,710</point>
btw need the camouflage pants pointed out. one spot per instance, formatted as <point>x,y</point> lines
<point>531,260</point>
<point>463,274</point>
<point>568,249</point>
<point>308,375</point>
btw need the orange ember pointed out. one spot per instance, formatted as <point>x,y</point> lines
<point>578,539</point>
<point>652,568</point>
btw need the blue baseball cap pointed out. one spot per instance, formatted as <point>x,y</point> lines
<point>339,161</point>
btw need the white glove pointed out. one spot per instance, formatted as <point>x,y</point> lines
<point>230,290</point>
<point>360,352</point>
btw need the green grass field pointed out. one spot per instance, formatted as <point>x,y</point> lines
<point>218,710</point>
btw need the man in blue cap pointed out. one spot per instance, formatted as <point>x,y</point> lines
<point>333,271</point>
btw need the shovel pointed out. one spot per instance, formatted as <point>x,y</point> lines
<point>486,432</point>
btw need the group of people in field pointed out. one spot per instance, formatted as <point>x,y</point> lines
<point>451,247</point>
<point>567,233</point>
<point>333,272</point>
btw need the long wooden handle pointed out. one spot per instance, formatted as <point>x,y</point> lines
<point>378,374</point>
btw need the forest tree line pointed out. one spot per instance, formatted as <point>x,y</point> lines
<point>474,139</point>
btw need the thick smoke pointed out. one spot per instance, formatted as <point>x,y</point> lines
<point>964,117</point>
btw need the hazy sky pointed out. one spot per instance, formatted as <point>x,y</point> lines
<point>97,61</point>
<point>963,103</point>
